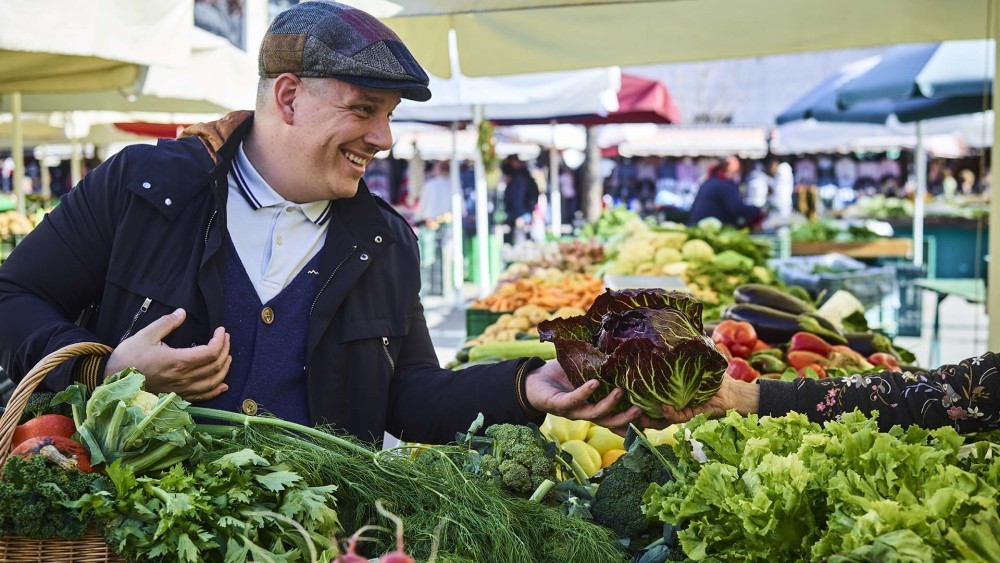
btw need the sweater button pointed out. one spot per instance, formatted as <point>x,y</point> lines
<point>267,315</point>
<point>249,407</point>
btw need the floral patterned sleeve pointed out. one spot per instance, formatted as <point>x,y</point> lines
<point>965,395</point>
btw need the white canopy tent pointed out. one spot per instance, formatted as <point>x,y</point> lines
<point>551,35</point>
<point>81,45</point>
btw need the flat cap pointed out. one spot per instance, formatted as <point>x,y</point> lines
<point>321,39</point>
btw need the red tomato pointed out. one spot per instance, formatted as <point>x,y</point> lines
<point>740,337</point>
<point>740,369</point>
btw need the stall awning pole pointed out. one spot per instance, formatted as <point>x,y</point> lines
<point>457,230</point>
<point>918,200</point>
<point>993,273</point>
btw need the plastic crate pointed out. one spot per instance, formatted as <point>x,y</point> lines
<point>870,284</point>
<point>476,320</point>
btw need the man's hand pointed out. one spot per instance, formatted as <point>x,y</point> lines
<point>550,391</point>
<point>734,394</point>
<point>195,373</point>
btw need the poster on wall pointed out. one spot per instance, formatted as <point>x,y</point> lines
<point>275,7</point>
<point>223,18</point>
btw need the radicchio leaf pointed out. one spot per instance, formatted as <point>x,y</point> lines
<point>661,327</point>
<point>580,360</point>
<point>572,328</point>
<point>628,299</point>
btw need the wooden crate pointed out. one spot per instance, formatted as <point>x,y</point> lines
<point>890,247</point>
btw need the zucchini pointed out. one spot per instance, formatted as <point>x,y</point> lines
<point>772,297</point>
<point>512,350</point>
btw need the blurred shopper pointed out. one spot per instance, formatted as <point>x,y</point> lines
<point>784,187</point>
<point>567,189</point>
<point>247,266</point>
<point>719,197</point>
<point>435,196</point>
<point>949,185</point>
<point>967,182</point>
<point>758,186</point>
<point>519,197</point>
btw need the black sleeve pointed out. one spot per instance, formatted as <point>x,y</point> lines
<point>56,272</point>
<point>965,395</point>
<point>430,404</point>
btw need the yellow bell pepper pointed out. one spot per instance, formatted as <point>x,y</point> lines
<point>661,437</point>
<point>585,455</point>
<point>563,429</point>
<point>603,439</point>
<point>610,457</point>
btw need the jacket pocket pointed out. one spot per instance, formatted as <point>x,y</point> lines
<point>384,337</point>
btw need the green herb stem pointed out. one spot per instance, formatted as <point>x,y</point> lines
<point>237,418</point>
<point>542,490</point>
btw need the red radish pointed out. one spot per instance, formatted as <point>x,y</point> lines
<point>398,556</point>
<point>67,449</point>
<point>45,425</point>
<point>351,556</point>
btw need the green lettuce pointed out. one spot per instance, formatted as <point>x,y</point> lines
<point>649,342</point>
<point>786,489</point>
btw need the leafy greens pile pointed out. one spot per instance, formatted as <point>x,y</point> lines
<point>786,489</point>
<point>649,342</point>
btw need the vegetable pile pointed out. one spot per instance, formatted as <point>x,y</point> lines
<point>786,489</point>
<point>649,342</point>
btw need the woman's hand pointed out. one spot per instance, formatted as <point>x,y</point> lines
<point>733,394</point>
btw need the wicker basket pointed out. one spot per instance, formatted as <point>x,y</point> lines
<point>91,548</point>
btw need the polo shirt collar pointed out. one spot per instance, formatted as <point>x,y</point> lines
<point>258,194</point>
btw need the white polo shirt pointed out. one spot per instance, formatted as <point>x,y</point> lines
<point>274,237</point>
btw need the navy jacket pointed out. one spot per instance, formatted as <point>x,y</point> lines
<point>721,199</point>
<point>150,223</point>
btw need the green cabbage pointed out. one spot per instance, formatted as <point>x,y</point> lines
<point>649,342</point>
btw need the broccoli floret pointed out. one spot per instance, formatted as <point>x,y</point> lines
<point>618,501</point>
<point>31,497</point>
<point>519,460</point>
<point>38,404</point>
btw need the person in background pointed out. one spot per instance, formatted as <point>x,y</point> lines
<point>567,189</point>
<point>949,185</point>
<point>519,197</point>
<point>247,267</point>
<point>784,188</point>
<point>758,185</point>
<point>435,197</point>
<point>967,182</point>
<point>719,197</point>
<point>965,396</point>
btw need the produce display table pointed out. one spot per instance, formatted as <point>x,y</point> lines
<point>884,248</point>
<point>962,244</point>
<point>972,290</point>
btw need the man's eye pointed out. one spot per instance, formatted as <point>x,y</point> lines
<point>367,110</point>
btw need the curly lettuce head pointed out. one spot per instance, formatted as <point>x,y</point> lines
<point>649,342</point>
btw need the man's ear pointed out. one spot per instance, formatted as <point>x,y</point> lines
<point>286,88</point>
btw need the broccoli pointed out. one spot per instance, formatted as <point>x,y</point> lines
<point>32,494</point>
<point>519,459</point>
<point>39,403</point>
<point>618,501</point>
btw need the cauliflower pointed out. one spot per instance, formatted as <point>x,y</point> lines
<point>667,255</point>
<point>145,401</point>
<point>697,251</point>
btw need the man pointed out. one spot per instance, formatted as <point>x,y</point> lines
<point>435,196</point>
<point>519,197</point>
<point>719,197</point>
<point>247,267</point>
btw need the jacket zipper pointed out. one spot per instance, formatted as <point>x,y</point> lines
<point>330,279</point>
<point>209,227</point>
<point>385,348</point>
<point>139,313</point>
